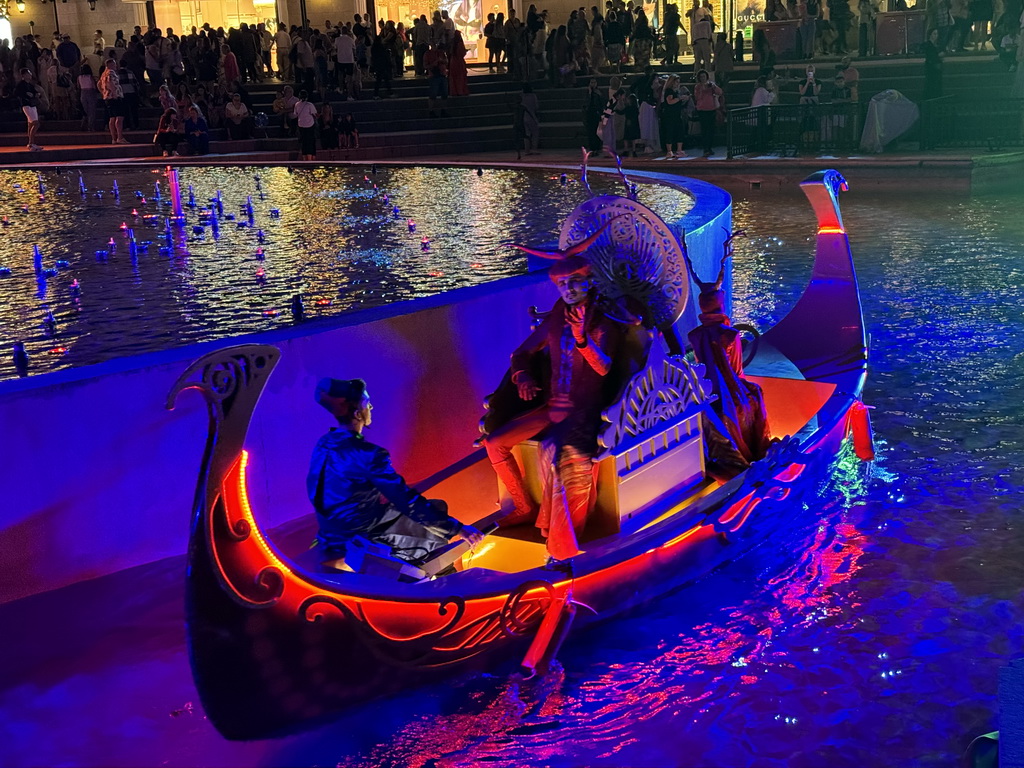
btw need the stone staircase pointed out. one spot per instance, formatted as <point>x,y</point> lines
<point>400,126</point>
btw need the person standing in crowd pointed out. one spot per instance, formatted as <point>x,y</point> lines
<point>90,98</point>
<point>593,107</point>
<point>283,45</point>
<point>230,73</point>
<point>27,94</point>
<point>643,41</point>
<point>113,98</point>
<point>458,72</point>
<point>702,30</point>
<point>381,62</point>
<point>69,55</point>
<point>305,116</point>
<point>671,32</point>
<point>933,55</point>
<point>531,121</point>
<point>810,11</point>
<point>420,37</point>
<point>707,99</point>
<point>266,46</point>
<point>436,63</point>
<point>98,43</point>
<point>866,38</point>
<point>724,60</point>
<point>345,54</point>
<point>305,64</point>
<point>157,56</point>
<point>675,101</point>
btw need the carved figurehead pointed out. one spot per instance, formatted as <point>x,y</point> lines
<point>740,404</point>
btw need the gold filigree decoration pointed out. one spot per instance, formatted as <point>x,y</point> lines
<point>636,256</point>
<point>665,389</point>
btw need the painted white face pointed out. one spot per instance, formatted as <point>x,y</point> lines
<point>366,410</point>
<point>573,288</point>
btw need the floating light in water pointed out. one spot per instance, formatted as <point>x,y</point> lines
<point>116,190</point>
<point>259,254</point>
<point>5,221</point>
<point>5,271</point>
<point>479,171</point>
<point>396,211</point>
<point>59,351</point>
<point>75,288</point>
<point>81,184</point>
<point>476,265</point>
<point>124,226</point>
<point>275,213</point>
<point>198,229</point>
<point>261,273</point>
<point>425,243</point>
<point>270,313</point>
<point>24,209</point>
<point>135,212</point>
<point>260,237</point>
<point>62,263</point>
<point>101,255</point>
<point>563,179</point>
<point>412,225</point>
<point>324,302</point>
<point>37,259</point>
<point>191,197</point>
<point>49,324</point>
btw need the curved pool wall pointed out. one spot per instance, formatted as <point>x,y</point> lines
<point>99,477</point>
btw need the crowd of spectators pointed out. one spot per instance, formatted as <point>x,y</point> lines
<point>199,80</point>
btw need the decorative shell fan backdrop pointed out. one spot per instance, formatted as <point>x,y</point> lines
<point>637,256</point>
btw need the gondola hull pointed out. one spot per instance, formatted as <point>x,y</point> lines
<point>275,645</point>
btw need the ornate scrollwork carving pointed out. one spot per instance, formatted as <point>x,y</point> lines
<point>769,479</point>
<point>637,255</point>
<point>266,588</point>
<point>510,618</point>
<point>666,388</point>
<point>228,377</point>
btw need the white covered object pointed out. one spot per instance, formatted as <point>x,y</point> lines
<point>890,115</point>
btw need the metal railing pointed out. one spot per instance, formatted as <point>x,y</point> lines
<point>793,129</point>
<point>950,121</point>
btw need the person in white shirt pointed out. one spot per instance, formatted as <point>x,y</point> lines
<point>283,41</point>
<point>345,55</point>
<point>305,115</point>
<point>764,96</point>
<point>266,45</point>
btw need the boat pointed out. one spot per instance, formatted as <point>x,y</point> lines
<point>277,643</point>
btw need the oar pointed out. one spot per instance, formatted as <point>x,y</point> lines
<point>444,556</point>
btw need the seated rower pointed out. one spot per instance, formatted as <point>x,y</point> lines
<point>740,405</point>
<point>357,492</point>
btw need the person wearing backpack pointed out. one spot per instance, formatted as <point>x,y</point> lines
<point>436,62</point>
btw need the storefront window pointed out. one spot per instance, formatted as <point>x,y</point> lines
<point>186,14</point>
<point>5,31</point>
<point>469,16</point>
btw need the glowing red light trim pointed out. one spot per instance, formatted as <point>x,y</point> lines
<point>831,231</point>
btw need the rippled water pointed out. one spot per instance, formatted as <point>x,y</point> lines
<point>338,242</point>
<point>866,630</point>
<point>869,627</point>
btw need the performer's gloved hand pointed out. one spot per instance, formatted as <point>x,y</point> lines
<point>526,386</point>
<point>471,535</point>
